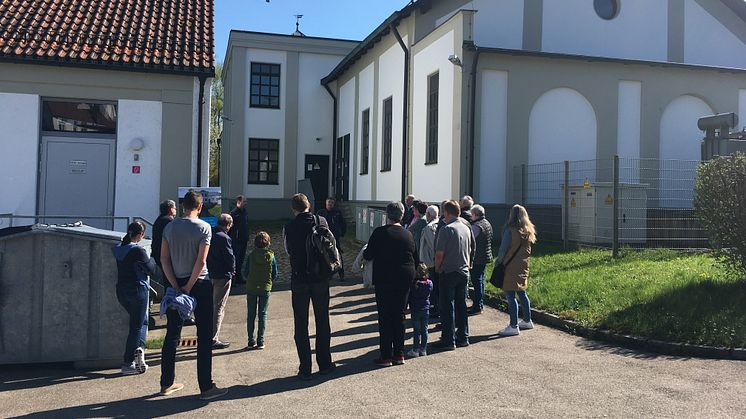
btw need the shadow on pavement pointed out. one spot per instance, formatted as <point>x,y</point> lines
<point>25,377</point>
<point>359,310</point>
<point>353,303</point>
<point>609,348</point>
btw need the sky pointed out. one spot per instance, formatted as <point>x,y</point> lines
<point>344,19</point>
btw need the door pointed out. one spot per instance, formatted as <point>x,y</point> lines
<point>317,171</point>
<point>342,168</point>
<point>77,180</point>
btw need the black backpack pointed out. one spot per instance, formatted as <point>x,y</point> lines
<point>322,256</point>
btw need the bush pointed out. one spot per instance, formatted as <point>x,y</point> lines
<point>720,204</point>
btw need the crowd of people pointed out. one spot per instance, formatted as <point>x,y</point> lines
<point>421,261</point>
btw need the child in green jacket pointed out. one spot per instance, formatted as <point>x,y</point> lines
<point>259,270</point>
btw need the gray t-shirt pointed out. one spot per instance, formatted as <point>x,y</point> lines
<point>184,236</point>
<point>456,242</point>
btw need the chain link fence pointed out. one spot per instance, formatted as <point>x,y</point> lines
<point>612,203</point>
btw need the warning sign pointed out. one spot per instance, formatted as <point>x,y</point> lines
<point>586,184</point>
<point>609,200</point>
<point>573,204</point>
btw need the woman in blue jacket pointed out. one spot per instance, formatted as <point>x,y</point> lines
<point>133,292</point>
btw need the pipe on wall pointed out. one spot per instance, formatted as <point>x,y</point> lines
<point>405,112</point>
<point>472,121</point>
<point>200,122</point>
<point>334,138</point>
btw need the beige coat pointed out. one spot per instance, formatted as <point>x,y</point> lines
<point>516,272</point>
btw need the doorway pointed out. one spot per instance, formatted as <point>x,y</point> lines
<point>317,171</point>
<point>342,168</point>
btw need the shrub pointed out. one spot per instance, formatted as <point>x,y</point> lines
<point>720,204</point>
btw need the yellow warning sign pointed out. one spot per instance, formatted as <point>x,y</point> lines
<point>609,200</point>
<point>586,184</point>
<point>573,204</point>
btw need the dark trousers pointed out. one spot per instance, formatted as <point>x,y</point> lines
<point>477,279</point>
<point>453,308</point>
<point>134,299</point>
<point>202,292</point>
<point>391,305</point>
<point>239,250</point>
<point>435,294</point>
<point>304,294</point>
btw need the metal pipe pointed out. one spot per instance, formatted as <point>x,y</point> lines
<point>334,138</point>
<point>472,122</point>
<point>200,117</point>
<point>405,112</point>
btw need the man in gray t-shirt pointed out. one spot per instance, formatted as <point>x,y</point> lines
<point>184,237</point>
<point>454,255</point>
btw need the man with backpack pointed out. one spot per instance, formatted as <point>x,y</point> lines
<point>312,251</point>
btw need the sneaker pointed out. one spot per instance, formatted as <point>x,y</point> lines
<point>442,346</point>
<point>140,364</point>
<point>463,344</point>
<point>398,360</point>
<point>438,327</point>
<point>382,362</point>
<point>423,352</point>
<point>260,345</point>
<point>213,393</point>
<point>130,369</point>
<point>509,331</point>
<point>523,325</point>
<point>413,353</point>
<point>304,376</point>
<point>173,388</point>
<point>220,345</point>
<point>250,346</point>
<point>328,370</point>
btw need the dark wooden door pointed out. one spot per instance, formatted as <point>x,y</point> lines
<point>317,171</point>
<point>342,168</point>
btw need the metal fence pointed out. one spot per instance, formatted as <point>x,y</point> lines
<point>612,203</point>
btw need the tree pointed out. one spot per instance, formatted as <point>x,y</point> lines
<point>216,123</point>
<point>720,204</point>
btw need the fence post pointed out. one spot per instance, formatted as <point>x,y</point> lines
<point>566,212</point>
<point>524,184</point>
<point>615,240</point>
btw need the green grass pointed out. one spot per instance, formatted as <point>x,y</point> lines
<point>155,343</point>
<point>679,297</point>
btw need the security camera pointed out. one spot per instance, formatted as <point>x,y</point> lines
<point>455,60</point>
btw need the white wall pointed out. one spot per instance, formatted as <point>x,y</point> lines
<point>628,129</point>
<point>19,159</point>
<point>640,31</point>
<point>390,84</point>
<point>497,24</point>
<point>266,123</point>
<point>492,143</point>
<point>366,88</point>
<point>346,106</point>
<point>707,41</point>
<point>138,195</point>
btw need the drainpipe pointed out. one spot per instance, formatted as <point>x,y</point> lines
<point>405,113</point>
<point>334,138</point>
<point>200,117</point>
<point>472,122</point>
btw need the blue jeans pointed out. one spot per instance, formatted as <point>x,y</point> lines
<point>135,300</point>
<point>256,300</point>
<point>452,308</point>
<point>420,319</point>
<point>513,306</point>
<point>477,279</point>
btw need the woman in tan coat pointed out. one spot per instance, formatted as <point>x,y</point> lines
<point>515,251</point>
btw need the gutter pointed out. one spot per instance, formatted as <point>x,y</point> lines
<point>334,135</point>
<point>405,112</point>
<point>472,121</point>
<point>200,117</point>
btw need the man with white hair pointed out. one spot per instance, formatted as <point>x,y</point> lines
<point>482,230</point>
<point>427,252</point>
<point>466,203</point>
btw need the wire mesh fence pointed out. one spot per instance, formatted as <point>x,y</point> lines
<point>639,203</point>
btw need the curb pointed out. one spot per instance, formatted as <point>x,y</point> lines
<point>626,341</point>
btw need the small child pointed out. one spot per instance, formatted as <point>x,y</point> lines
<point>419,304</point>
<point>259,270</point>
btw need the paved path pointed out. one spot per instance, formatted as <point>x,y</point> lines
<point>542,373</point>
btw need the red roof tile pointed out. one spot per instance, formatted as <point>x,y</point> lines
<point>152,35</point>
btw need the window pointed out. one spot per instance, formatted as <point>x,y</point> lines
<point>365,143</point>
<point>432,119</point>
<point>387,125</point>
<point>264,161</point>
<point>607,9</point>
<point>265,85</point>
<point>85,117</point>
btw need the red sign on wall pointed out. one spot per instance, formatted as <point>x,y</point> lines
<point>136,170</point>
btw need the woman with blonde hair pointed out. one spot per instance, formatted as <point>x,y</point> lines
<point>515,251</point>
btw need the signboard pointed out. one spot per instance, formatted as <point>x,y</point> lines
<point>211,206</point>
<point>78,167</point>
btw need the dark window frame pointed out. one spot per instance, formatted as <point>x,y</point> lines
<point>365,143</point>
<point>387,124</point>
<point>264,147</point>
<point>433,93</point>
<point>264,78</point>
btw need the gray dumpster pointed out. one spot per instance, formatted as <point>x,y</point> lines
<point>57,296</point>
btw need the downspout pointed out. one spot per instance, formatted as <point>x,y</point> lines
<point>472,122</point>
<point>334,138</point>
<point>405,113</point>
<point>200,117</point>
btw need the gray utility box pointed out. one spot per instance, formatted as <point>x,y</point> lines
<point>58,296</point>
<point>368,219</point>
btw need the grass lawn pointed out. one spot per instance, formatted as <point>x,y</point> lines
<point>667,295</point>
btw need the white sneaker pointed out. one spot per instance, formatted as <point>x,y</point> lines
<point>423,352</point>
<point>413,353</point>
<point>129,369</point>
<point>140,364</point>
<point>509,331</point>
<point>522,325</point>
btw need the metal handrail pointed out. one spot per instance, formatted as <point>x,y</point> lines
<point>36,218</point>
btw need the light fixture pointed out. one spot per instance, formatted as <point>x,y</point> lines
<point>455,60</point>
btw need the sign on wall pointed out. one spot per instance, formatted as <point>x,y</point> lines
<point>211,206</point>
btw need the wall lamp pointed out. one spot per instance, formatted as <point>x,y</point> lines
<point>455,60</point>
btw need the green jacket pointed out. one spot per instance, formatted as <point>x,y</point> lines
<point>259,270</point>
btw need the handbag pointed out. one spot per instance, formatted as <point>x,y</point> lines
<point>498,273</point>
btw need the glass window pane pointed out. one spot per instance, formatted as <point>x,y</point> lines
<point>254,90</point>
<point>275,81</point>
<point>275,91</point>
<point>273,155</point>
<point>275,102</point>
<point>275,69</point>
<point>265,101</point>
<point>255,100</point>
<point>272,177</point>
<point>265,68</point>
<point>265,91</point>
<point>79,117</point>
<point>253,177</point>
<point>255,79</point>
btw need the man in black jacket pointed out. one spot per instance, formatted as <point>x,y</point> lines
<point>240,233</point>
<point>307,289</point>
<point>221,265</point>
<point>167,214</point>
<point>338,227</point>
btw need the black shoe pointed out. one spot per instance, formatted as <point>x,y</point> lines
<point>438,327</point>
<point>443,346</point>
<point>220,345</point>
<point>341,276</point>
<point>328,370</point>
<point>190,322</point>
<point>475,311</point>
<point>463,344</point>
<point>305,376</point>
<point>239,281</point>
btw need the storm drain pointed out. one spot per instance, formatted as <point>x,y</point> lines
<point>189,342</point>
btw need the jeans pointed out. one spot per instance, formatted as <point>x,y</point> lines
<point>420,319</point>
<point>391,305</point>
<point>452,308</point>
<point>435,294</point>
<point>134,299</point>
<point>254,300</point>
<point>477,279</point>
<point>304,294</point>
<point>513,306</point>
<point>202,292</point>
<point>221,289</point>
